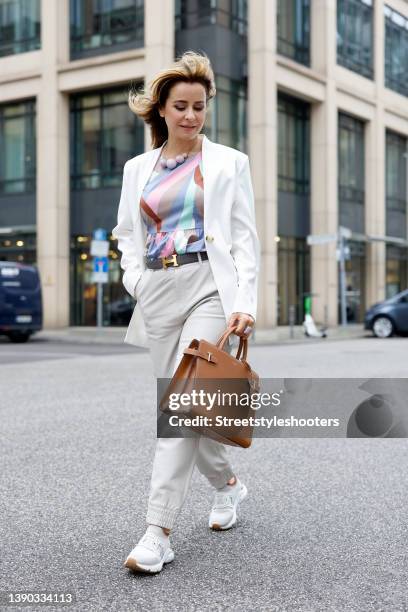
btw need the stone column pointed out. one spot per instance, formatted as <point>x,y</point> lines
<point>323,203</point>
<point>375,172</point>
<point>53,167</point>
<point>262,138</point>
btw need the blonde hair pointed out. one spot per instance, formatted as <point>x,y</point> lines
<point>191,67</point>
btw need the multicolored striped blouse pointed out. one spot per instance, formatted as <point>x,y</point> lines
<point>172,208</point>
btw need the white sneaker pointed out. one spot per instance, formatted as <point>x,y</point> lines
<point>224,510</point>
<point>149,555</point>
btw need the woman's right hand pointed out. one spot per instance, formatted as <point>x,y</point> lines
<point>242,322</point>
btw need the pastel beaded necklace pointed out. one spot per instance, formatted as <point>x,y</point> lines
<point>172,162</point>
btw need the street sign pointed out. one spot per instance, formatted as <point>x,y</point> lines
<point>100,264</point>
<point>99,248</point>
<point>100,251</point>
<point>321,238</point>
<point>99,234</point>
<point>99,277</point>
<point>344,232</point>
<point>100,270</point>
<point>99,244</point>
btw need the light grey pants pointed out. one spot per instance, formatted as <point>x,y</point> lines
<point>179,304</point>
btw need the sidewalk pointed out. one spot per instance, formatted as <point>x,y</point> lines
<point>277,335</point>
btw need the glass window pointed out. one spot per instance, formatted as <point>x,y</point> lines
<point>293,145</point>
<point>355,36</point>
<point>18,246</point>
<point>104,135</point>
<point>117,305</point>
<point>396,270</point>
<point>227,114</point>
<point>293,207</point>
<point>396,51</point>
<point>293,278</point>
<point>293,29</point>
<point>396,162</point>
<point>20,26</point>
<point>239,16</point>
<point>232,14</point>
<point>17,148</point>
<point>103,24</point>
<point>351,172</point>
<point>355,268</point>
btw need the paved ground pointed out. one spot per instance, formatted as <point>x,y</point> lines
<point>277,335</point>
<point>323,527</point>
<point>39,349</point>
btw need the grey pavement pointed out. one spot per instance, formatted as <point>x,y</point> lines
<point>323,527</point>
<point>277,335</point>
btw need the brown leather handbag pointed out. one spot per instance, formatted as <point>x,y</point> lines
<point>207,368</point>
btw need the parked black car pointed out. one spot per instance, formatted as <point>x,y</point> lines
<point>388,317</point>
<point>120,311</point>
<point>20,301</point>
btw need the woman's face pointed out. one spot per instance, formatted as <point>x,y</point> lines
<point>185,110</point>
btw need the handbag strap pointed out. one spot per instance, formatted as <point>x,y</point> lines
<point>243,343</point>
<point>197,353</point>
<point>243,348</point>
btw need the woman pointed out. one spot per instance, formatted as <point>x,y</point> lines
<point>190,255</point>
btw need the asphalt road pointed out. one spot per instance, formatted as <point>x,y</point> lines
<point>323,527</point>
<point>37,349</point>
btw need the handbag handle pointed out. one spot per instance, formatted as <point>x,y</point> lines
<point>243,347</point>
<point>243,343</point>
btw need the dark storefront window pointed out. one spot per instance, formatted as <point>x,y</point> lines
<point>396,212</point>
<point>355,282</point>
<point>293,278</point>
<point>351,172</point>
<point>396,185</point>
<point>396,51</point>
<point>396,270</point>
<point>293,206</point>
<point>104,135</point>
<point>19,245</point>
<point>226,120</point>
<point>293,25</point>
<point>104,26</point>
<point>117,303</point>
<point>231,14</point>
<point>17,148</point>
<point>20,26</point>
<point>351,210</point>
<point>293,145</point>
<point>355,36</point>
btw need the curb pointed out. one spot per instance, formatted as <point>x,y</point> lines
<point>115,336</point>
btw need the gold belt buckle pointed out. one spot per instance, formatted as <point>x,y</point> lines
<point>168,260</point>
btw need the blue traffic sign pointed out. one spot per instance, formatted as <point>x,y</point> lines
<point>99,234</point>
<point>100,264</point>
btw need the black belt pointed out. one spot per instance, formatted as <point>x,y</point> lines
<point>173,261</point>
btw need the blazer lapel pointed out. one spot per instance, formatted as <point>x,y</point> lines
<point>211,167</point>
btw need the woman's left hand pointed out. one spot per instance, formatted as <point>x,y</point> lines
<point>243,323</point>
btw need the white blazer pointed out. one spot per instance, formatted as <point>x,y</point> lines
<point>231,239</point>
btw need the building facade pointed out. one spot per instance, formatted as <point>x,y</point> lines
<point>315,91</point>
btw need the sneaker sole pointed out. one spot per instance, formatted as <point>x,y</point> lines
<point>241,496</point>
<point>135,566</point>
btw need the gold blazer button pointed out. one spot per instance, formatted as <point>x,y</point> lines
<point>209,238</point>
